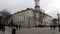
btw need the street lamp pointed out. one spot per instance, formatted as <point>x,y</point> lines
<point>58,21</point>
<point>58,16</point>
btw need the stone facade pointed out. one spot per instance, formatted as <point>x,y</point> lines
<point>47,19</point>
<point>30,17</point>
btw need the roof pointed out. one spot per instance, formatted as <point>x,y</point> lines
<point>30,9</point>
<point>48,15</point>
<point>23,10</point>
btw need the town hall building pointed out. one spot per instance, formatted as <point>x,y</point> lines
<point>31,17</point>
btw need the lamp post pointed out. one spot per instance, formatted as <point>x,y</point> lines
<point>58,16</point>
<point>58,21</point>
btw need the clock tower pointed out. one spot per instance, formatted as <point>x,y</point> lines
<point>37,5</point>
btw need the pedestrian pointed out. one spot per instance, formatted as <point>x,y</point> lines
<point>51,27</point>
<point>54,26</point>
<point>59,28</point>
<point>14,31</point>
<point>0,27</point>
<point>16,26</point>
<point>19,26</point>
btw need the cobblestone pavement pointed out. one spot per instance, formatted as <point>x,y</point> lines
<point>38,31</point>
<point>45,30</point>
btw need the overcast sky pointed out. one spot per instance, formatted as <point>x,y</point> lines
<point>51,7</point>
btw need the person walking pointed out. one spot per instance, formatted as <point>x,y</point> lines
<point>19,26</point>
<point>14,30</point>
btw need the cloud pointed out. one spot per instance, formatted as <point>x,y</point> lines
<point>52,7</point>
<point>16,5</point>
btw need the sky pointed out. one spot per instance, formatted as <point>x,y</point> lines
<point>51,7</point>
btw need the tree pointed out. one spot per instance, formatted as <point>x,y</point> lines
<point>6,15</point>
<point>54,23</point>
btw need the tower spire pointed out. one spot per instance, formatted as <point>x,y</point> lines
<point>37,6</point>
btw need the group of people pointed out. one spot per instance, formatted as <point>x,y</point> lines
<point>54,26</point>
<point>14,28</point>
